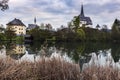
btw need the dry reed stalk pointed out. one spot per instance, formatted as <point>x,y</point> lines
<point>44,69</point>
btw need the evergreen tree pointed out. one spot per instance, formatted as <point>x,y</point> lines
<point>116,30</point>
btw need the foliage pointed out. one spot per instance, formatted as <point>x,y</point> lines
<point>116,30</point>
<point>19,38</point>
<point>81,34</point>
<point>39,34</point>
<point>2,36</point>
<point>76,22</point>
<point>4,5</point>
<point>10,34</point>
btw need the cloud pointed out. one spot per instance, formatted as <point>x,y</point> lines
<point>18,3</point>
<point>59,12</point>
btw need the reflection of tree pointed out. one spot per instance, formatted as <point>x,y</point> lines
<point>115,51</point>
<point>73,49</point>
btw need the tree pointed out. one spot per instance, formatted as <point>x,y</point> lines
<point>105,28</point>
<point>116,30</point>
<point>76,22</point>
<point>81,34</point>
<point>98,26</point>
<point>10,34</point>
<point>4,4</point>
<point>2,29</point>
<point>69,25</point>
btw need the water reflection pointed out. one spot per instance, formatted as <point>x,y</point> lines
<point>16,51</point>
<point>103,59</point>
<point>82,53</point>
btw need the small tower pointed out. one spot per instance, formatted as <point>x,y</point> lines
<point>35,20</point>
<point>84,20</point>
<point>82,11</point>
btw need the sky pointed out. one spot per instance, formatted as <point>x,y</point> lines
<point>60,12</point>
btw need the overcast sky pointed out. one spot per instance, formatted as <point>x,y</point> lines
<point>59,12</point>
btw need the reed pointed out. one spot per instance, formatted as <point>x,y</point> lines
<point>53,69</point>
<point>100,73</point>
<point>43,69</point>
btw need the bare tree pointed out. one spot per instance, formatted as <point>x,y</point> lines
<point>4,4</point>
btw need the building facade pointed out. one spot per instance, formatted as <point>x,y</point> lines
<point>17,26</point>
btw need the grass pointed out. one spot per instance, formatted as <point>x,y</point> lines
<point>100,73</point>
<point>53,69</point>
<point>44,69</point>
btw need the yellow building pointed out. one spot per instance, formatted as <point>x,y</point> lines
<point>17,26</point>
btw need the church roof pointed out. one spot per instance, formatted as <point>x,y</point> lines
<point>87,19</point>
<point>16,22</point>
<point>32,26</point>
<point>84,18</point>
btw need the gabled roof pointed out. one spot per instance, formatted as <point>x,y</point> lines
<point>87,19</point>
<point>32,26</point>
<point>16,22</point>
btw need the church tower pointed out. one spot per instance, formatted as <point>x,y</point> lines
<point>82,11</point>
<point>35,20</point>
<point>84,20</point>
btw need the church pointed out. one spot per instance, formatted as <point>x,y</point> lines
<point>84,20</point>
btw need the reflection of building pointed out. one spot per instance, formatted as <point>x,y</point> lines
<point>17,26</point>
<point>16,51</point>
<point>19,49</point>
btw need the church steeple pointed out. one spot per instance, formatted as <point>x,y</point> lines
<point>35,20</point>
<point>82,11</point>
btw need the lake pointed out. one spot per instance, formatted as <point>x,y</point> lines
<point>81,53</point>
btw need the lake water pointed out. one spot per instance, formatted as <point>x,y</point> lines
<point>82,53</point>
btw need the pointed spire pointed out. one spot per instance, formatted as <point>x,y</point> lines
<point>82,11</point>
<point>35,20</point>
